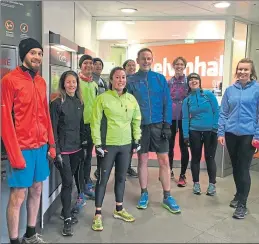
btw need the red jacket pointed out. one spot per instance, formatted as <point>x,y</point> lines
<point>26,121</point>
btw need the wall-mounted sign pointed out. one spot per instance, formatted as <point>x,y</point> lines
<point>60,57</point>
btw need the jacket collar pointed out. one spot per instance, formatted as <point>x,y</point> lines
<point>238,84</point>
<point>115,94</point>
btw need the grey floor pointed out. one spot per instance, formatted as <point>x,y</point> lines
<point>203,219</point>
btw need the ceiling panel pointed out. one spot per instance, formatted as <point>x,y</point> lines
<point>248,10</point>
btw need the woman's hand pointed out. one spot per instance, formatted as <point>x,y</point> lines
<point>255,143</point>
<point>221,140</point>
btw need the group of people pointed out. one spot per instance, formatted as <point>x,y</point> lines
<point>137,112</point>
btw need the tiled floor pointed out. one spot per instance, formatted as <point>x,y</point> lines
<point>203,219</point>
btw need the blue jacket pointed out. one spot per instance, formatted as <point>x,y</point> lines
<point>200,112</point>
<point>152,93</point>
<point>239,110</point>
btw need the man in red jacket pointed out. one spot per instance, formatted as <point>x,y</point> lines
<point>28,138</point>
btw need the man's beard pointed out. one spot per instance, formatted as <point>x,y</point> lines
<point>29,66</point>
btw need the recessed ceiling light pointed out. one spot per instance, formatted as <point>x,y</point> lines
<point>128,10</point>
<point>221,5</point>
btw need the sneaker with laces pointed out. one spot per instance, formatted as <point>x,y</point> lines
<point>143,201</point>
<point>182,181</point>
<point>211,191</point>
<point>37,238</point>
<point>170,204</point>
<point>196,188</point>
<point>89,191</point>
<point>80,203</point>
<point>132,173</point>
<point>97,223</point>
<point>74,219</point>
<point>240,211</point>
<point>67,229</point>
<point>124,215</point>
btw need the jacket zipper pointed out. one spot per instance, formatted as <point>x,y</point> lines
<point>197,100</point>
<point>35,98</point>
<point>239,108</point>
<point>149,100</point>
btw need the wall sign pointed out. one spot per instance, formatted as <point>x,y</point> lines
<point>60,57</point>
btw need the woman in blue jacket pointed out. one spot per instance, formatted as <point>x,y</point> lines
<point>200,124</point>
<point>238,126</point>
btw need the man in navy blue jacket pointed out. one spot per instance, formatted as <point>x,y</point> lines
<point>152,93</point>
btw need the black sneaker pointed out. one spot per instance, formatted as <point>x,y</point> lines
<point>234,202</point>
<point>132,173</point>
<point>240,211</point>
<point>68,229</point>
<point>74,219</point>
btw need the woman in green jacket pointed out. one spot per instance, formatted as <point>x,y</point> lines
<point>115,142</point>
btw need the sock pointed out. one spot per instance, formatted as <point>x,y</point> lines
<point>143,190</point>
<point>30,231</point>
<point>118,208</point>
<point>15,241</point>
<point>98,212</point>
<point>166,194</point>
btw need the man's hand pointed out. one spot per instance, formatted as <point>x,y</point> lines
<point>100,151</point>
<point>136,147</point>
<point>52,154</point>
<point>221,140</point>
<point>58,162</point>
<point>166,131</point>
<point>186,142</point>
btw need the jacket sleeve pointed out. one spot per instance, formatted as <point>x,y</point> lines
<point>95,123</point>
<point>129,87</point>
<point>186,118</point>
<point>136,121</point>
<point>54,114</point>
<point>8,131</point>
<point>167,103</point>
<point>215,109</point>
<point>223,115</point>
<point>256,136</point>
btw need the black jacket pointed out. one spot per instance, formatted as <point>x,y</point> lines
<point>68,123</point>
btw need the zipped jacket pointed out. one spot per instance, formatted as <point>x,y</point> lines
<point>25,114</point>
<point>239,111</point>
<point>123,119</point>
<point>68,123</point>
<point>153,96</point>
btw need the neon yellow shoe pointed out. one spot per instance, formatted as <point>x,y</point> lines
<point>97,223</point>
<point>124,215</point>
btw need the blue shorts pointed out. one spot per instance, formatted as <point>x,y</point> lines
<point>37,168</point>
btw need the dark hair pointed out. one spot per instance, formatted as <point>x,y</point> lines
<point>126,62</point>
<point>62,91</point>
<point>83,58</point>
<point>180,58</point>
<point>253,75</point>
<point>97,60</point>
<point>112,73</point>
<point>196,76</point>
<point>144,50</point>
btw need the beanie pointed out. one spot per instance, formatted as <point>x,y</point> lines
<point>98,59</point>
<point>83,58</point>
<point>193,75</point>
<point>26,45</point>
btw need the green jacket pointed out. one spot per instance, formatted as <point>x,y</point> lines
<point>123,119</point>
<point>89,92</point>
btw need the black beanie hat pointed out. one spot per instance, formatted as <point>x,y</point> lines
<point>96,60</point>
<point>83,58</point>
<point>193,75</point>
<point>26,45</point>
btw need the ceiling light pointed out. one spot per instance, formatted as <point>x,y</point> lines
<point>130,22</point>
<point>128,10</point>
<point>222,5</point>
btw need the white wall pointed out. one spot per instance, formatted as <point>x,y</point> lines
<point>254,46</point>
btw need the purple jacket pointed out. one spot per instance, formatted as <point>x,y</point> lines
<point>178,91</point>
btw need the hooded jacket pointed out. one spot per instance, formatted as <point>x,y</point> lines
<point>25,114</point>
<point>240,110</point>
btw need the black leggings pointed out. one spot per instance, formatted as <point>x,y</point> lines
<point>120,155</point>
<point>209,139</point>
<point>241,154</point>
<point>71,167</point>
<point>177,124</point>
